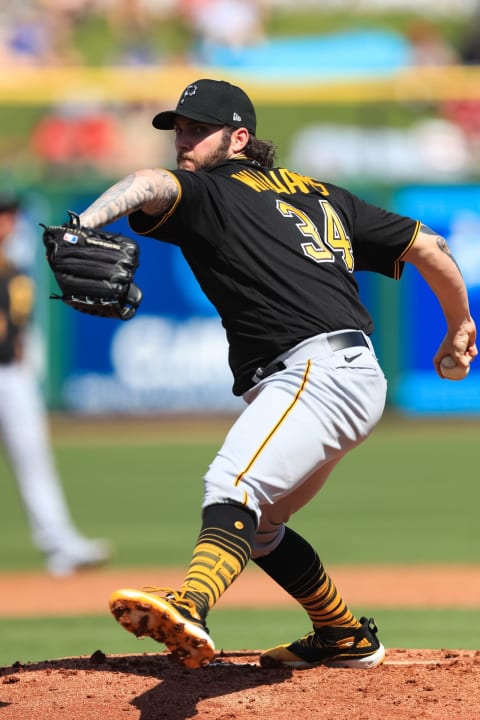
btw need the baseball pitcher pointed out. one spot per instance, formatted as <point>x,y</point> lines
<point>276,253</point>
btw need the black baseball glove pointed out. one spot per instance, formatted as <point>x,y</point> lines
<point>94,269</point>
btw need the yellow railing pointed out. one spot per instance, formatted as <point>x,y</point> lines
<point>47,85</point>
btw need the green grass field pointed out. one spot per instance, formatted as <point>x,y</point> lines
<point>410,494</point>
<point>34,640</point>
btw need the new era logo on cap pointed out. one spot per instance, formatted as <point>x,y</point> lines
<point>211,101</point>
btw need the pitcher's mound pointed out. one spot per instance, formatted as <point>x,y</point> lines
<point>440,684</point>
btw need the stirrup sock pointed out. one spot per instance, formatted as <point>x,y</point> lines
<point>296,567</point>
<point>223,549</point>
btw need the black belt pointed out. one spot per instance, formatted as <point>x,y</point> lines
<point>340,341</point>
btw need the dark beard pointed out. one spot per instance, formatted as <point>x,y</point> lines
<point>218,155</point>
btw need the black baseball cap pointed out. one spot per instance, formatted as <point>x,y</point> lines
<point>211,101</point>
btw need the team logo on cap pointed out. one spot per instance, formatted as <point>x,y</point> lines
<point>191,90</point>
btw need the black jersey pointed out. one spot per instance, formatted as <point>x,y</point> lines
<point>275,252</point>
<point>16,295</point>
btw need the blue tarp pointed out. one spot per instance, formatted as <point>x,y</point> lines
<point>352,53</point>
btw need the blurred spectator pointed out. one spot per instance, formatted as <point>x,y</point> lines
<point>465,112</point>
<point>36,35</point>
<point>140,142</point>
<point>470,46</point>
<point>470,50</point>
<point>431,149</point>
<point>232,24</point>
<point>130,22</point>
<point>76,138</point>
<point>24,426</point>
<point>428,45</point>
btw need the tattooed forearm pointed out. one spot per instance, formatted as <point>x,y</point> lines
<point>153,191</point>
<point>164,193</point>
<point>441,243</point>
<point>113,204</point>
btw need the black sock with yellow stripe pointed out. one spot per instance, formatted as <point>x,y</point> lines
<point>223,549</point>
<point>296,567</point>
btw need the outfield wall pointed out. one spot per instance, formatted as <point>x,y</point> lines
<point>173,356</point>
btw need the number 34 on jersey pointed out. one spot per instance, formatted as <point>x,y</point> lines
<point>335,237</point>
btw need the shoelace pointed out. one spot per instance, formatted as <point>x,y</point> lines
<point>309,640</point>
<point>314,638</point>
<point>173,595</point>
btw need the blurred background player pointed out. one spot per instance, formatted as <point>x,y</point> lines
<point>24,425</point>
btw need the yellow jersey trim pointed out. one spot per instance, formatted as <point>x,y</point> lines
<point>169,213</point>
<point>396,270</point>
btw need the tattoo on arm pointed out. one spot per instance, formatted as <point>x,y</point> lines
<point>153,191</point>
<point>441,244</point>
<point>164,192</point>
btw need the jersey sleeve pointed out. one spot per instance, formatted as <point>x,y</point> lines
<point>194,194</point>
<point>144,224</point>
<point>381,238</point>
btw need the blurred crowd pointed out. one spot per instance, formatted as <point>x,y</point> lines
<point>90,138</point>
<point>47,32</point>
<point>109,140</point>
<point>44,32</point>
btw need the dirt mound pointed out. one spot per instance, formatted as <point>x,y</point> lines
<point>410,684</point>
